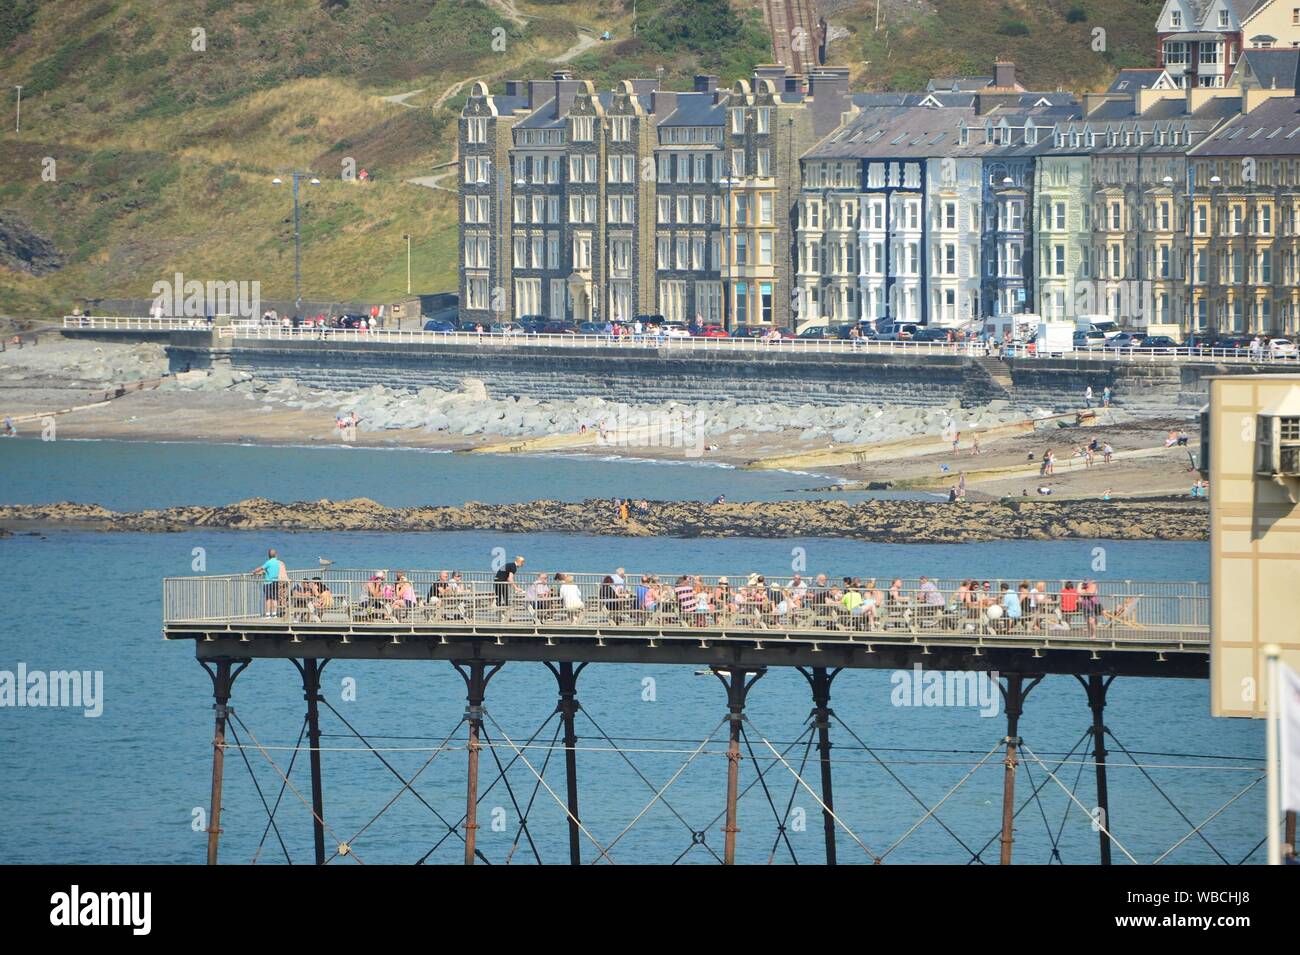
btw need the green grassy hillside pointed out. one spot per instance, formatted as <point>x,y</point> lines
<point>163,141</point>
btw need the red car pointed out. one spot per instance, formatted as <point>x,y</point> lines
<point>712,331</point>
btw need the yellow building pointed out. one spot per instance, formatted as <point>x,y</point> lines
<point>1252,458</point>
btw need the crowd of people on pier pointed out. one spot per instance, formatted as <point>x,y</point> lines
<point>694,601</point>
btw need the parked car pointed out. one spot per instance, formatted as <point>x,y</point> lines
<point>928,334</point>
<point>558,328</point>
<point>1089,339</point>
<point>1158,343</point>
<point>1125,340</point>
<point>440,325</point>
<point>1281,348</point>
<point>591,328</point>
<point>650,320</point>
<point>676,330</point>
<point>891,331</point>
<point>818,332</point>
<point>507,328</point>
<point>533,324</point>
<point>711,331</point>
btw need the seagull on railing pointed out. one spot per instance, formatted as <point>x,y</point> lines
<point>324,562</point>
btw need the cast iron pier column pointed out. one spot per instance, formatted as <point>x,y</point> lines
<point>819,679</point>
<point>476,675</point>
<point>223,678</point>
<point>1013,695</point>
<point>311,671</point>
<point>734,679</point>
<point>567,678</point>
<point>1096,687</point>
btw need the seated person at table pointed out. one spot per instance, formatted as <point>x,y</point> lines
<point>439,588</point>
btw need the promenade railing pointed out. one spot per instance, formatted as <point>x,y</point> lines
<point>1171,613</point>
<point>701,344</point>
<point>128,323</point>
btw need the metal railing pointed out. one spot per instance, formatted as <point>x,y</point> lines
<point>867,346</point>
<point>124,323</point>
<point>1170,614</point>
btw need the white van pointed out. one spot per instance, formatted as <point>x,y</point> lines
<point>1097,323</point>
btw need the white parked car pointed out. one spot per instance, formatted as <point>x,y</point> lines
<point>1281,348</point>
<point>676,330</point>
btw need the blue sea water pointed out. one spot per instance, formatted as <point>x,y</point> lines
<point>125,475</point>
<point>129,785</point>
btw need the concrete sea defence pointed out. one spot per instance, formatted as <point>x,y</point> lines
<point>649,373</point>
<point>916,522</point>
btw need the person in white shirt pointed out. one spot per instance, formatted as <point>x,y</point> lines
<point>570,595</point>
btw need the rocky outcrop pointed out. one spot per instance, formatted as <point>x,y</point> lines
<point>902,522</point>
<point>23,250</point>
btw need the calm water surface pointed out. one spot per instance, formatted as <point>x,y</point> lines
<point>125,787</point>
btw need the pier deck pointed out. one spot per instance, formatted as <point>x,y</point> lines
<point>1146,628</point>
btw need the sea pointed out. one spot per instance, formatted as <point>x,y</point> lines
<point>131,783</point>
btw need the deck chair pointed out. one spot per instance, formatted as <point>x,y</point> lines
<point>1125,615</point>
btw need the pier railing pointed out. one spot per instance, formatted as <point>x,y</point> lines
<point>1135,612</point>
<point>693,344</point>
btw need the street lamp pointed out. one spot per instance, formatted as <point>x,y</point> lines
<point>407,237</point>
<point>726,182</point>
<point>1215,181</point>
<point>297,236</point>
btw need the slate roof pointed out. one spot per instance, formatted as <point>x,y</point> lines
<point>1270,129</point>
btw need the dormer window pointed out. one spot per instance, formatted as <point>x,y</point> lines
<point>1176,19</point>
<point>1223,19</point>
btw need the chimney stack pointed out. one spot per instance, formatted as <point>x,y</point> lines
<point>1004,74</point>
<point>705,82</point>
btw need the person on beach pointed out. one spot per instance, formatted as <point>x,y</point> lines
<point>1106,452</point>
<point>9,430</point>
<point>975,444</point>
<point>1105,397</point>
<point>276,574</point>
<point>1087,397</point>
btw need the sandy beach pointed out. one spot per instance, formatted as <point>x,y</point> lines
<point>40,387</point>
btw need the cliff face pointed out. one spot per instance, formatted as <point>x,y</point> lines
<point>901,522</point>
<point>23,250</point>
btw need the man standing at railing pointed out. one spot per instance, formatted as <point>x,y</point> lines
<point>274,571</point>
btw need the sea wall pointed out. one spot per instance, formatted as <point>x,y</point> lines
<point>651,374</point>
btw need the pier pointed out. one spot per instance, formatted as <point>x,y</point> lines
<point>1153,629</point>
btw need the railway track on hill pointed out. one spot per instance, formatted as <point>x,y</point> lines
<point>793,25</point>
